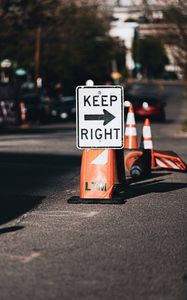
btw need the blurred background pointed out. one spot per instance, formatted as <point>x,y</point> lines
<point>53,250</point>
<point>48,47</point>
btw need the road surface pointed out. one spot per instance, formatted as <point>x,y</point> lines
<point>53,250</point>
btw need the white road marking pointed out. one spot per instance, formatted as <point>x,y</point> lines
<point>23,258</point>
<point>65,213</point>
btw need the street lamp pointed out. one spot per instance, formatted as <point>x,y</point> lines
<point>5,65</point>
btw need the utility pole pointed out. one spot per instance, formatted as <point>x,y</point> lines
<point>147,9</point>
<point>37,54</point>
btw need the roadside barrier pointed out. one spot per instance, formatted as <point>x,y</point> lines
<point>99,171</point>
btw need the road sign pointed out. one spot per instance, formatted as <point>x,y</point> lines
<point>99,119</point>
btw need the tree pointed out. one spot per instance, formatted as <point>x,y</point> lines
<point>176,14</point>
<point>85,50</point>
<point>60,40</point>
<point>150,53</point>
<point>23,22</point>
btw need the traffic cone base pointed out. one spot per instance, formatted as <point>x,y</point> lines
<point>78,200</point>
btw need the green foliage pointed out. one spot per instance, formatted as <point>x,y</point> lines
<point>184,126</point>
<point>151,54</point>
<point>85,49</point>
<point>177,16</point>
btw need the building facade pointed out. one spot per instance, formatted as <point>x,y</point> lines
<point>146,17</point>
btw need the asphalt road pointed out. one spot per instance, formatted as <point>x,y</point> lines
<point>53,250</point>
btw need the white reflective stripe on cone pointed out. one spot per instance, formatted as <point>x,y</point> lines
<point>130,118</point>
<point>130,131</point>
<point>147,131</point>
<point>148,144</point>
<point>160,163</point>
<point>170,163</point>
<point>101,159</point>
<point>166,163</point>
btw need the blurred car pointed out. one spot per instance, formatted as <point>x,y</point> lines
<point>9,109</point>
<point>64,109</point>
<point>169,75</point>
<point>147,107</point>
<point>36,105</point>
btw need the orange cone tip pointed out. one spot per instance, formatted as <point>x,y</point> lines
<point>131,109</point>
<point>147,122</point>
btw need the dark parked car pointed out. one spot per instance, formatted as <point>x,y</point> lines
<point>9,107</point>
<point>36,105</point>
<point>169,75</point>
<point>149,107</point>
<point>64,109</point>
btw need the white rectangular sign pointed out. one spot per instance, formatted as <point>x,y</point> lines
<point>99,119</point>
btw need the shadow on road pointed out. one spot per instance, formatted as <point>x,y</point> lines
<point>26,179</point>
<point>10,229</point>
<point>151,176</point>
<point>38,130</point>
<point>13,206</point>
<point>155,186</point>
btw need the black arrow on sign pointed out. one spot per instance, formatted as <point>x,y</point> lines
<point>106,117</point>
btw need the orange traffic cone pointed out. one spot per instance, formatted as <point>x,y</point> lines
<point>97,178</point>
<point>164,159</point>
<point>147,135</point>
<point>142,166</point>
<point>159,158</point>
<point>130,139</point>
<point>24,123</point>
<point>148,141</point>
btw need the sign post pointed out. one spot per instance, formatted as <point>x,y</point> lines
<point>100,120</point>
